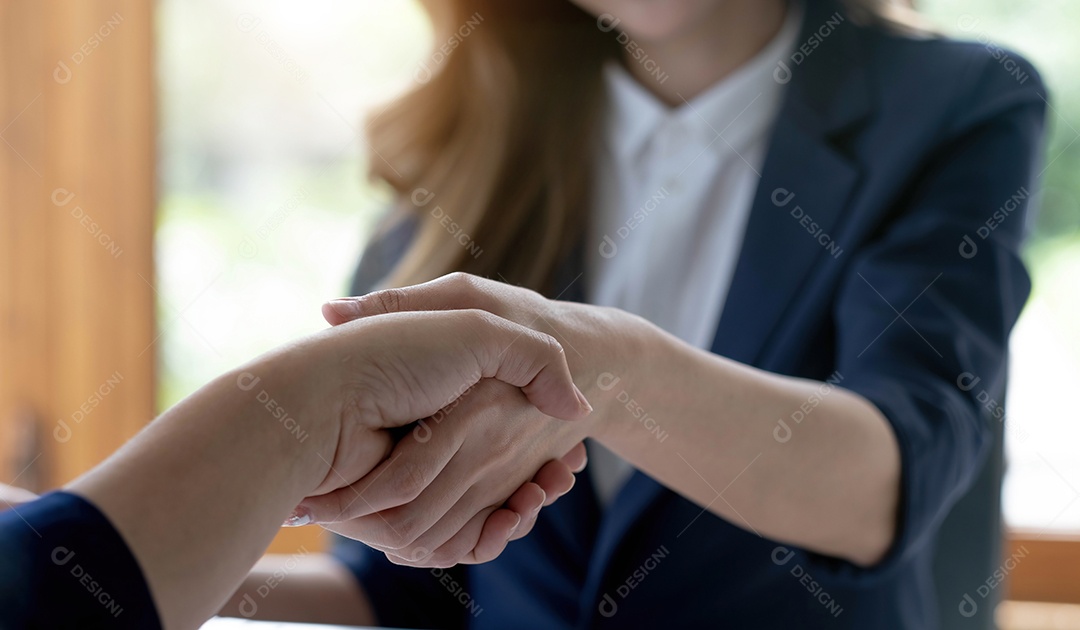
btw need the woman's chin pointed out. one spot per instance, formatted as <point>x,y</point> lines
<point>651,21</point>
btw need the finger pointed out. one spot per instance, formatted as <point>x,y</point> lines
<point>457,547</point>
<point>483,537</point>
<point>359,452</point>
<point>401,478</point>
<point>514,521</point>
<point>476,500</point>
<point>453,291</point>
<point>555,479</point>
<point>577,458</point>
<point>531,360</point>
<point>499,529</point>
<point>527,501</point>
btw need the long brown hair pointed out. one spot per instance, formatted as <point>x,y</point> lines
<point>493,150</point>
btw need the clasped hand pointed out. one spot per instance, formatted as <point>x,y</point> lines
<point>436,499</point>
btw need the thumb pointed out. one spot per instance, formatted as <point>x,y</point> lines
<point>531,360</point>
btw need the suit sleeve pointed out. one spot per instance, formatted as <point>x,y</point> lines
<point>65,566</point>
<point>924,313</point>
<point>406,597</point>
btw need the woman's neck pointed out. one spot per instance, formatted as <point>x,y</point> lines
<point>689,63</point>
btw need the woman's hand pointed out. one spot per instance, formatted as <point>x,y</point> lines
<point>412,365</point>
<point>426,505</point>
<point>597,340</point>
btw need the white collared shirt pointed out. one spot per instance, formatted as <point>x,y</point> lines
<point>674,192</point>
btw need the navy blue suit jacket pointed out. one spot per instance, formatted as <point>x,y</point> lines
<point>881,251</point>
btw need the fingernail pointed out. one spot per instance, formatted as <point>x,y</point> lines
<point>299,518</point>
<point>514,528</point>
<point>582,401</point>
<point>347,308</point>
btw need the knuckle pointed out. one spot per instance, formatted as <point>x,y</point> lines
<point>446,556</point>
<point>549,343</point>
<point>418,554</point>
<point>409,481</point>
<point>461,281</point>
<point>478,291</point>
<point>405,533</point>
<point>389,300</point>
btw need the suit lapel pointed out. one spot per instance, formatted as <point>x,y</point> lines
<point>804,189</point>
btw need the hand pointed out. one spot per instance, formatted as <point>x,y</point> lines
<point>427,503</point>
<point>411,372</point>
<point>587,325</point>
<point>597,339</point>
<point>490,536</point>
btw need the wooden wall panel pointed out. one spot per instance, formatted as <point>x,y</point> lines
<point>77,169</point>
<point>1043,566</point>
<point>77,201</point>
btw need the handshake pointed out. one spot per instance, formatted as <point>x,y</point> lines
<point>441,434</point>
<point>431,423</point>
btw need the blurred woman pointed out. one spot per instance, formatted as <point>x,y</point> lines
<point>779,240</point>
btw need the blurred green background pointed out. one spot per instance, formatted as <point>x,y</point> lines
<point>264,208</point>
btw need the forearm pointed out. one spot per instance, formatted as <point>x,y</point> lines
<point>313,588</point>
<point>830,485</point>
<point>201,492</point>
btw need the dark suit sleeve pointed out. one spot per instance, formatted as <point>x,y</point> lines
<point>924,314</point>
<point>406,597</point>
<point>65,566</point>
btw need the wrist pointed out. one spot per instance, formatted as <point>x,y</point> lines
<point>296,405</point>
<point>625,363</point>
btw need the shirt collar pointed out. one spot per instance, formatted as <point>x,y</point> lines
<point>739,107</point>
